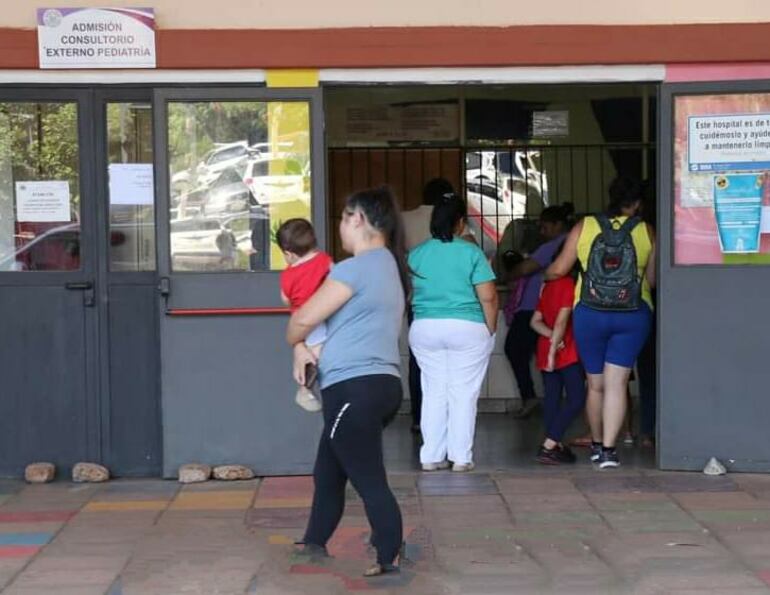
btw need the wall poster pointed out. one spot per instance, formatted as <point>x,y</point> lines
<point>722,179</point>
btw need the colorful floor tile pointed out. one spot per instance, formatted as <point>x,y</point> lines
<point>220,500</point>
<point>555,531</point>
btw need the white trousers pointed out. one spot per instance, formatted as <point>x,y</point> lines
<point>453,356</point>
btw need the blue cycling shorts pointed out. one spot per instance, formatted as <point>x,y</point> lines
<point>610,337</point>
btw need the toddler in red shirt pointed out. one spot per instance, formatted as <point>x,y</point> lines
<point>558,359</point>
<point>306,271</point>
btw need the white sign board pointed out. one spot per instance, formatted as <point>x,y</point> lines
<point>729,143</point>
<point>131,184</point>
<point>96,37</point>
<point>43,202</point>
<point>550,123</point>
<point>431,122</point>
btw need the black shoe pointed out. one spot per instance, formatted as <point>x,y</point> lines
<point>567,453</point>
<point>596,451</point>
<point>554,456</point>
<point>609,459</point>
<point>309,552</point>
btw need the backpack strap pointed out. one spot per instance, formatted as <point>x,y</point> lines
<point>630,224</point>
<point>604,223</point>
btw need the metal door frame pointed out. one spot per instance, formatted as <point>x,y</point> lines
<point>677,457</point>
<point>91,242</point>
<point>101,97</point>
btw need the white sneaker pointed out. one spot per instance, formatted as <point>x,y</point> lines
<point>307,400</point>
<point>435,466</point>
<point>462,467</point>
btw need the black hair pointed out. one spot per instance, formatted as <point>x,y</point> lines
<point>625,192</point>
<point>436,190</point>
<point>297,236</point>
<point>562,213</point>
<point>381,211</point>
<point>649,203</point>
<point>446,215</point>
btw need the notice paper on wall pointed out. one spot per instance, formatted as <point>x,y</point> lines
<point>550,123</point>
<point>729,143</point>
<point>131,184</point>
<point>738,209</point>
<point>43,202</point>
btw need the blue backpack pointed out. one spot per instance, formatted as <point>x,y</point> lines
<point>611,279</point>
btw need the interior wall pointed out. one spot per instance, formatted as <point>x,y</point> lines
<point>578,166</point>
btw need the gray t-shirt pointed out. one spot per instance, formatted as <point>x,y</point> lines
<point>362,336</point>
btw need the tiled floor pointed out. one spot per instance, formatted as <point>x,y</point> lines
<point>505,528</point>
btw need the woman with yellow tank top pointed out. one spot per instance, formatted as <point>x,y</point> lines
<point>609,341</point>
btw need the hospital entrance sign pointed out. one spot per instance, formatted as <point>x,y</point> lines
<point>96,37</point>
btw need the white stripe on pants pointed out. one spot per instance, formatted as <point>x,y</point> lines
<point>453,356</point>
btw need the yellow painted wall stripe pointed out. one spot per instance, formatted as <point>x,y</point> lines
<point>292,78</point>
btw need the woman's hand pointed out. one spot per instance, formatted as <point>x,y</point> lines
<point>487,295</point>
<point>302,357</point>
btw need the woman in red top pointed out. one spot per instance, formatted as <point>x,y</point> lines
<point>558,359</point>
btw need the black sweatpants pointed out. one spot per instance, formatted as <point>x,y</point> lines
<point>355,413</point>
<point>520,344</point>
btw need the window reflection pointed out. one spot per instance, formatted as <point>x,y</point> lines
<point>131,187</point>
<point>39,187</point>
<point>237,169</point>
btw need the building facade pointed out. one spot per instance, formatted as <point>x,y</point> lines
<point>140,315</point>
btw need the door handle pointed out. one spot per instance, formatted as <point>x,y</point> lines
<point>79,285</point>
<point>87,287</point>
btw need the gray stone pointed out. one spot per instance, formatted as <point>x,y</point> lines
<point>232,472</point>
<point>39,472</point>
<point>194,473</point>
<point>714,467</point>
<point>89,473</point>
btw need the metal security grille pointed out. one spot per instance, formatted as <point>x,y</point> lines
<point>506,187</point>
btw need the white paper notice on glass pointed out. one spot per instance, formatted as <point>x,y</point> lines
<point>131,184</point>
<point>43,202</point>
<point>697,190</point>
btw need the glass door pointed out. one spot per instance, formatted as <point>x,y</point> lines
<point>47,278</point>
<point>129,366</point>
<point>232,165</point>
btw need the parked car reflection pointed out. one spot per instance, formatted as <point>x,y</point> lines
<point>269,187</point>
<point>502,186</point>
<point>58,248</point>
<point>236,242</point>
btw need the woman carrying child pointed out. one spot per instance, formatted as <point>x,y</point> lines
<point>362,302</point>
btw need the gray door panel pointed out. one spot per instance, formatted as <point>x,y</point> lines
<point>712,337</point>
<point>44,409</point>
<point>228,396</point>
<point>134,444</point>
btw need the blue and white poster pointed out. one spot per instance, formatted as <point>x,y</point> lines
<point>738,209</point>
